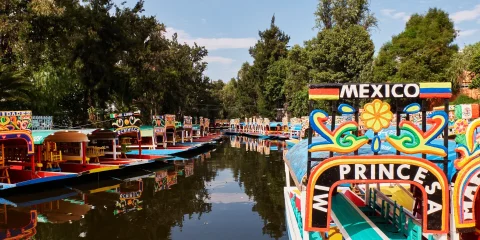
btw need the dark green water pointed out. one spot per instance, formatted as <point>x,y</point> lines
<point>229,193</point>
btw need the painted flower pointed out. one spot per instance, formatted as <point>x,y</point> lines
<point>460,126</point>
<point>377,115</point>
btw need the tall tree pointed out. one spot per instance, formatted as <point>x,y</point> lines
<point>296,83</point>
<point>422,52</point>
<point>339,55</point>
<point>247,90</point>
<point>271,47</point>
<point>344,13</point>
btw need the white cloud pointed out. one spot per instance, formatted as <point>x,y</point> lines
<point>392,13</point>
<point>467,15</point>
<point>217,59</point>
<point>478,21</point>
<point>229,198</point>
<point>211,43</point>
<point>466,33</point>
<point>204,21</point>
<point>387,12</point>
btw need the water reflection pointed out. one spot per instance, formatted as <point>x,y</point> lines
<point>261,146</point>
<point>229,193</point>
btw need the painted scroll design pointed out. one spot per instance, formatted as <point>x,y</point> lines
<point>15,120</point>
<point>187,122</point>
<point>125,119</point>
<point>334,140</point>
<point>414,140</point>
<point>470,150</point>
<point>158,121</point>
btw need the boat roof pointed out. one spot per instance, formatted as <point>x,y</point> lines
<point>40,135</point>
<point>297,157</point>
<point>67,136</point>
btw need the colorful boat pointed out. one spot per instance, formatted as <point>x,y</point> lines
<point>18,165</point>
<point>417,153</point>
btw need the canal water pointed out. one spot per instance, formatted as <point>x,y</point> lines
<point>232,192</point>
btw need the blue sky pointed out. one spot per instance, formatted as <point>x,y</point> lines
<point>228,27</point>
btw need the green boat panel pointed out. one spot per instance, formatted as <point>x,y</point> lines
<point>40,135</point>
<point>353,221</point>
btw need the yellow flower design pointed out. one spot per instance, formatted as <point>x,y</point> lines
<point>377,115</point>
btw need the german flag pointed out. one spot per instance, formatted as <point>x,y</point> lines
<point>324,93</point>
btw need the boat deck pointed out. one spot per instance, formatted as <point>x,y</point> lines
<point>353,223</point>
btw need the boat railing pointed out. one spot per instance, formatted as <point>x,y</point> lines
<point>94,152</point>
<point>401,218</point>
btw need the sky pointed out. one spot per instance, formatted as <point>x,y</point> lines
<point>227,28</point>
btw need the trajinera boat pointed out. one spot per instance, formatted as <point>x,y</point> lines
<point>402,179</point>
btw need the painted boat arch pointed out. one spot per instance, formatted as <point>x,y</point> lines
<point>377,169</point>
<point>468,181</point>
<point>129,131</point>
<point>22,135</point>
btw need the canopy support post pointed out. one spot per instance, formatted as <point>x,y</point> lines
<point>84,153</point>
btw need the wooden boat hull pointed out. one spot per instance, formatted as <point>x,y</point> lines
<point>87,176</point>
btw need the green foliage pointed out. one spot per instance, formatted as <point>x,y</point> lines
<point>462,62</point>
<point>14,87</point>
<point>271,47</point>
<point>339,55</point>
<point>474,68</point>
<point>343,14</point>
<point>97,54</point>
<point>422,52</point>
<point>463,99</point>
<point>341,52</point>
<point>295,87</point>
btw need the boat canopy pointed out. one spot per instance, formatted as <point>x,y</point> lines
<point>67,136</point>
<point>297,157</point>
<point>103,134</point>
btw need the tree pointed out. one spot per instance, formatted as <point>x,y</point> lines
<point>14,87</point>
<point>472,55</point>
<point>422,52</point>
<point>271,47</point>
<point>339,55</point>
<point>295,87</point>
<point>247,90</point>
<point>344,13</point>
<point>230,100</point>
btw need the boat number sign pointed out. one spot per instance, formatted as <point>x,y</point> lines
<point>375,169</point>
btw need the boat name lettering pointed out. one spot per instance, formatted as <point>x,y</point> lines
<point>127,130</point>
<point>410,90</point>
<point>15,113</point>
<point>131,195</point>
<point>426,176</point>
